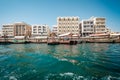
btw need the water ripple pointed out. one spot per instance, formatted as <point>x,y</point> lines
<point>92,61</point>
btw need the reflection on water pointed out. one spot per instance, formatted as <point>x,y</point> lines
<point>87,61</point>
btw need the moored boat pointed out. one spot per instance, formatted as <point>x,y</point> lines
<point>52,43</point>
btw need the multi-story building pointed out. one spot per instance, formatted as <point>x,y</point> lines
<point>1,33</point>
<point>108,30</point>
<point>40,30</point>
<point>16,29</point>
<point>93,25</point>
<point>54,29</point>
<point>22,29</point>
<point>99,24</point>
<point>68,24</point>
<point>87,27</point>
<point>8,30</point>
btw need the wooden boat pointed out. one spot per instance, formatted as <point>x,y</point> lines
<point>52,43</point>
<point>68,42</point>
<point>20,42</point>
<point>73,42</point>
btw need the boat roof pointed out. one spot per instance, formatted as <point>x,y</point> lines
<point>66,34</point>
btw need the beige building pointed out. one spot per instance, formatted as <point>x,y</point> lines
<point>8,30</point>
<point>16,29</point>
<point>99,24</point>
<point>87,27</point>
<point>22,29</point>
<point>68,24</point>
<point>40,30</point>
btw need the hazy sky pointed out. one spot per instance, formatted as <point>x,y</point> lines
<point>46,11</point>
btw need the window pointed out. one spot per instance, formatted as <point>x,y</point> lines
<point>34,32</point>
<point>34,26</point>
<point>59,19</point>
<point>72,19</point>
<point>91,22</point>
<point>84,22</point>
<point>34,29</point>
<point>84,29</point>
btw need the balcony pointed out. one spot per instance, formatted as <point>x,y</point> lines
<point>100,21</point>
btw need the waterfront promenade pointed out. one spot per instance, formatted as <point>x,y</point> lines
<point>63,40</point>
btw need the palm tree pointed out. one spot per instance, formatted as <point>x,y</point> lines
<point>53,35</point>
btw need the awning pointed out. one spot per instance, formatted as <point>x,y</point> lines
<point>75,35</point>
<point>40,37</point>
<point>66,34</point>
<point>115,34</point>
<point>19,37</point>
<point>99,34</point>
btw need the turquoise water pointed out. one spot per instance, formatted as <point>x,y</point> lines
<point>87,61</point>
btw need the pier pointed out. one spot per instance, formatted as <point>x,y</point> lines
<point>62,41</point>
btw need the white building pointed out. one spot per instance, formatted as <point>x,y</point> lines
<point>8,30</point>
<point>68,24</point>
<point>40,30</point>
<point>87,27</point>
<point>108,30</point>
<point>99,24</point>
<point>54,29</point>
<point>93,25</point>
<point>1,34</point>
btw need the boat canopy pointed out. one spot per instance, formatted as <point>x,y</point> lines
<point>66,34</point>
<point>75,35</point>
<point>19,37</point>
<point>115,34</point>
<point>99,35</point>
<point>41,37</point>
